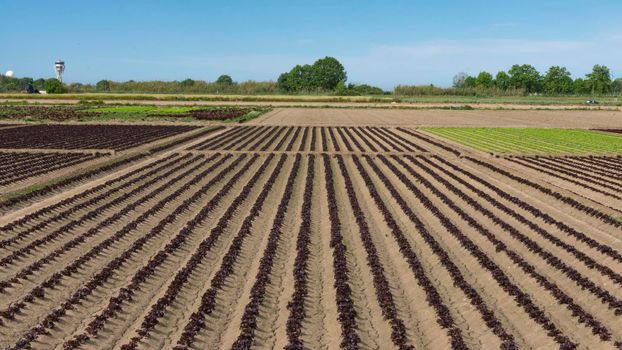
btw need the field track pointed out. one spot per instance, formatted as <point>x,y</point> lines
<point>443,118</point>
<point>273,236</point>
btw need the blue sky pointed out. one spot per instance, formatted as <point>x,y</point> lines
<point>380,42</point>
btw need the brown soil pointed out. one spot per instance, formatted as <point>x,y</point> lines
<point>442,118</point>
<point>549,225</point>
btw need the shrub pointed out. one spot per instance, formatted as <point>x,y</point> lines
<point>54,86</point>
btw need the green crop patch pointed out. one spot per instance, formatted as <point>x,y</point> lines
<point>532,140</point>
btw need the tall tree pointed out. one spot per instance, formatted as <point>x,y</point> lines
<point>327,73</point>
<point>300,78</point>
<point>579,86</point>
<point>557,81</point>
<point>470,82</point>
<point>484,80</point>
<point>525,77</point>
<point>102,86</point>
<point>224,80</point>
<point>599,81</point>
<point>282,82</point>
<point>502,81</point>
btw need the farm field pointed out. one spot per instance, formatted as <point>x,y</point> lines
<point>533,141</point>
<point>34,153</point>
<point>302,234</point>
<point>583,119</point>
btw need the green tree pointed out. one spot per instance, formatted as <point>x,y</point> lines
<point>525,77</point>
<point>224,80</point>
<point>484,80</point>
<point>599,81</point>
<point>282,84</point>
<point>557,81</point>
<point>326,73</point>
<point>39,84</point>
<point>102,86</point>
<point>617,85</point>
<point>502,81</point>
<point>300,78</point>
<point>54,86</point>
<point>187,83</point>
<point>470,82</point>
<point>580,87</point>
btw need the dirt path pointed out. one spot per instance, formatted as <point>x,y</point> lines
<point>443,118</point>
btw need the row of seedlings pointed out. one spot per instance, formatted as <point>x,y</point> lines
<point>522,298</point>
<point>296,305</point>
<point>552,260</point>
<point>486,313</point>
<point>84,194</point>
<point>248,323</point>
<point>127,293</point>
<point>593,212</point>
<point>21,200</point>
<point>208,300</point>
<point>81,239</point>
<point>93,212</point>
<point>11,176</point>
<point>107,272</point>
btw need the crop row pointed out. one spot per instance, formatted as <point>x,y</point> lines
<point>258,290</point>
<point>552,260</point>
<point>444,317</point>
<point>572,176</point>
<point>345,306</point>
<point>118,137</point>
<point>64,230</point>
<point>430,141</point>
<point>208,299</point>
<point>107,272</point>
<point>562,298</point>
<point>20,200</point>
<point>273,138</point>
<point>544,141</point>
<point>381,283</point>
<point>206,144</point>
<point>580,236</point>
<point>608,173</point>
<point>16,172</point>
<point>296,305</point>
<point>604,217</point>
<point>96,200</point>
<point>127,293</point>
<point>521,298</point>
<point>92,253</point>
<point>80,239</point>
<point>181,140</point>
<point>487,315</point>
<point>84,194</point>
<point>613,164</point>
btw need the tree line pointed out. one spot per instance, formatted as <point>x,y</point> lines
<point>556,81</point>
<point>327,76</point>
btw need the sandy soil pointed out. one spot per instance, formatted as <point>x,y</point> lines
<point>204,246</point>
<point>441,118</point>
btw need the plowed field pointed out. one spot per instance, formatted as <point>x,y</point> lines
<point>319,237</point>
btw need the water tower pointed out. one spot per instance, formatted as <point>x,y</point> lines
<point>59,67</point>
